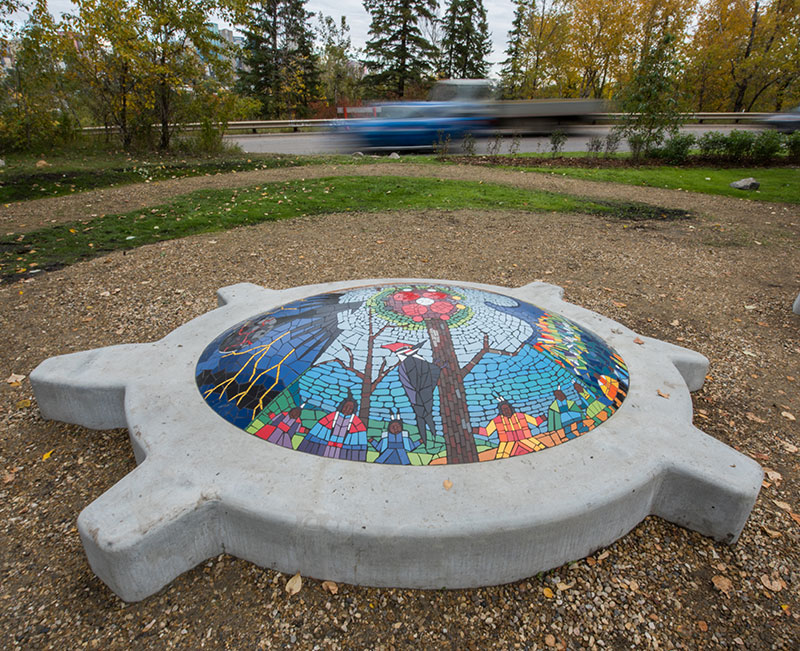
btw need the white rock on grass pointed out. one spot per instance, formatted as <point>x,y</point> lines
<point>746,184</point>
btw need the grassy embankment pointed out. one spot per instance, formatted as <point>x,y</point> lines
<point>217,210</point>
<point>21,180</point>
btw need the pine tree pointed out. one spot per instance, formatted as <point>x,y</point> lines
<point>513,72</point>
<point>466,41</point>
<point>398,55</point>
<point>280,63</point>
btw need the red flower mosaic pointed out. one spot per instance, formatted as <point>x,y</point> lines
<point>424,305</point>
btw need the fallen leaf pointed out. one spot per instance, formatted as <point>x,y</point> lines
<point>750,307</point>
<point>675,323</point>
<point>46,455</point>
<point>330,586</point>
<point>548,593</point>
<point>754,418</point>
<point>783,505</point>
<point>794,517</point>
<point>759,456</point>
<point>638,341</point>
<point>789,447</point>
<point>771,532</point>
<point>618,304</point>
<point>774,475</point>
<point>722,584</point>
<point>8,477</point>
<point>447,484</point>
<point>149,626</point>
<point>787,415</point>
<point>702,626</point>
<point>294,584</point>
<point>774,585</point>
<point>549,640</point>
<point>590,561</point>
<point>15,378</point>
<point>603,556</point>
<point>23,404</point>
<point>662,394</point>
<point>562,587</point>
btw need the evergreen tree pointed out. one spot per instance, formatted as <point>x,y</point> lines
<point>280,63</point>
<point>512,74</point>
<point>398,54</point>
<point>466,41</point>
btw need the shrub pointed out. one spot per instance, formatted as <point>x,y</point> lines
<point>793,144</point>
<point>676,149</point>
<point>712,143</point>
<point>613,139</point>
<point>739,145</point>
<point>636,143</point>
<point>766,146</point>
<point>557,140</point>
<point>594,146</point>
<point>468,144</point>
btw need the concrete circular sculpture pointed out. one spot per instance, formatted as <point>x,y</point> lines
<point>412,374</point>
<point>341,431</point>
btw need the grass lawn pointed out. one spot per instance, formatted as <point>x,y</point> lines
<point>216,210</point>
<point>777,184</point>
<point>21,180</point>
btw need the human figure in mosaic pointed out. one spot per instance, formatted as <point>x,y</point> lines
<point>562,412</point>
<point>338,435</point>
<point>419,378</point>
<point>514,431</point>
<point>395,444</point>
<point>594,408</point>
<point>283,426</point>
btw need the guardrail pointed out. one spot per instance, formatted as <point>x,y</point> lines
<point>254,126</point>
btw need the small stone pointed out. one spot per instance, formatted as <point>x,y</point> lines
<point>746,184</point>
<point>358,154</point>
<point>394,154</point>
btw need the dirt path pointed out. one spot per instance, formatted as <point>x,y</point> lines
<point>30,215</point>
<point>722,285</point>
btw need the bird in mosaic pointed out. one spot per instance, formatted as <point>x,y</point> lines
<point>419,378</point>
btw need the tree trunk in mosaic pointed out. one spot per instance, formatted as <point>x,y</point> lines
<point>456,426</point>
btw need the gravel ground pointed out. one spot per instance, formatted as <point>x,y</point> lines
<point>722,284</point>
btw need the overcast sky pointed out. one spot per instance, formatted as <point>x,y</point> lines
<point>500,13</point>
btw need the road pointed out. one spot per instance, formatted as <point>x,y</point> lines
<point>321,143</point>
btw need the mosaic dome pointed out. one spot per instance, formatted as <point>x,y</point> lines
<point>412,375</point>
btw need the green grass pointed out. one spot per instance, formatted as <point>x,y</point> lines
<point>216,210</point>
<point>777,184</point>
<point>21,180</point>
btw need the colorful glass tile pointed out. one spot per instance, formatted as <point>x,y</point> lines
<point>412,375</point>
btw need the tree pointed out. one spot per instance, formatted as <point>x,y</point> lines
<point>599,34</point>
<point>178,50</point>
<point>650,99</point>
<point>340,74</point>
<point>103,52</point>
<point>466,40</point>
<point>398,55</point>
<point>280,63</point>
<point>34,110</point>
<point>535,49</point>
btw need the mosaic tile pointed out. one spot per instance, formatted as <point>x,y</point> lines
<point>412,375</point>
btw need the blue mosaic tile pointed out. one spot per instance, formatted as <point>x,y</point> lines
<point>412,375</point>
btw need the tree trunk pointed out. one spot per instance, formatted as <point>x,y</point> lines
<point>456,426</point>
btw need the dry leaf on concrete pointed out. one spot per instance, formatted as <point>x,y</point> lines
<point>638,341</point>
<point>447,484</point>
<point>662,394</point>
<point>294,585</point>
